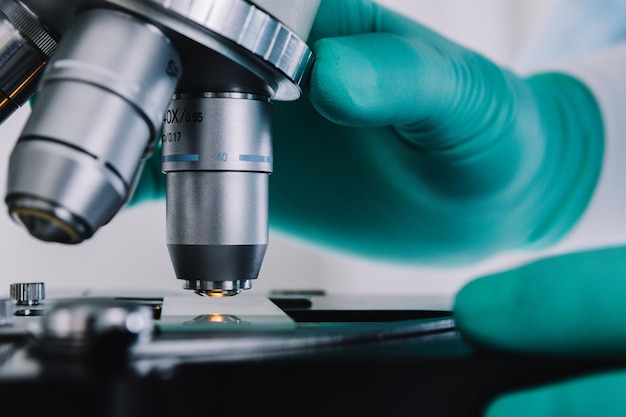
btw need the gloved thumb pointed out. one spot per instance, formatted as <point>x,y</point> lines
<point>427,86</point>
<point>372,79</point>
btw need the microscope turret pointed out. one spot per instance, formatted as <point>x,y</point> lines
<point>197,75</point>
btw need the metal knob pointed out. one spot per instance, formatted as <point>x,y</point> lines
<point>28,293</point>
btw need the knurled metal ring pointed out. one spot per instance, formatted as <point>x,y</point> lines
<point>28,24</point>
<point>254,31</point>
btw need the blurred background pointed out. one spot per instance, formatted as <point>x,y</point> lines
<point>130,253</point>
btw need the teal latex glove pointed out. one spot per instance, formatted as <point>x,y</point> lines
<point>568,305</point>
<point>412,148</point>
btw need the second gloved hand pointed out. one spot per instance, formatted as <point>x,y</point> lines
<point>412,148</point>
<point>569,306</point>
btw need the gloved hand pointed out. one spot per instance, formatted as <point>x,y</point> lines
<point>567,305</point>
<point>412,148</point>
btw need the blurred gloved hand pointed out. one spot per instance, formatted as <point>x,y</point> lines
<point>567,305</point>
<point>410,147</point>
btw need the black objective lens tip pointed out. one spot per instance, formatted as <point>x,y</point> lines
<point>45,226</point>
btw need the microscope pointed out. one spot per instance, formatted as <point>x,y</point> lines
<point>117,79</point>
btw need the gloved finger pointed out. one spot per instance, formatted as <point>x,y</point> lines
<point>382,79</point>
<point>361,80</point>
<point>375,67</point>
<point>596,395</point>
<point>373,80</point>
<point>570,304</point>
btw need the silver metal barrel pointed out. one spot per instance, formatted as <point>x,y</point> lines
<point>98,112</point>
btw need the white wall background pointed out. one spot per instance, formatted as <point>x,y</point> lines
<point>130,252</point>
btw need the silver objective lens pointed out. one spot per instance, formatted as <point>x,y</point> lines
<point>217,153</point>
<point>217,147</point>
<point>97,115</point>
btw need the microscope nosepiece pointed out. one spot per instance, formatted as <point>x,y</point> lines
<point>103,101</point>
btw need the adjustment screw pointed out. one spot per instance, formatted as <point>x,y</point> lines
<point>28,293</point>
